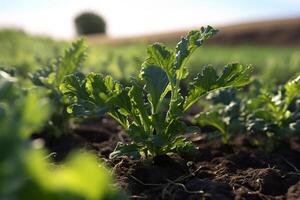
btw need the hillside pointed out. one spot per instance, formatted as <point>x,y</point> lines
<point>275,32</point>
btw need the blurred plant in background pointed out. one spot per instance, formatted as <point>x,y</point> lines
<point>25,170</point>
<point>270,114</point>
<point>51,77</point>
<point>25,53</point>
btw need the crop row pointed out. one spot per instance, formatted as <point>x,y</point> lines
<point>150,108</point>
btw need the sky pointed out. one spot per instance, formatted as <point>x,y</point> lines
<point>134,17</point>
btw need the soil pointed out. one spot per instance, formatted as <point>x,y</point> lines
<point>236,171</point>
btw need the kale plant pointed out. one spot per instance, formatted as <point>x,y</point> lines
<point>150,110</point>
<point>52,76</point>
<point>275,115</point>
<point>270,114</point>
<point>226,114</point>
<point>26,170</point>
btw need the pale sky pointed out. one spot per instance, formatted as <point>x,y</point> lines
<point>133,17</point>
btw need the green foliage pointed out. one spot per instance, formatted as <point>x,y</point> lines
<point>214,119</point>
<point>234,75</point>
<point>275,114</point>
<point>24,53</point>
<point>89,23</point>
<point>81,177</point>
<point>51,77</point>
<point>272,63</point>
<point>269,114</point>
<point>150,117</point>
<point>26,173</point>
<point>225,115</point>
<point>72,59</point>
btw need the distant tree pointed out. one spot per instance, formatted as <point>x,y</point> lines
<point>89,23</point>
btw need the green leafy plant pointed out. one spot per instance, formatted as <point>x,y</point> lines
<point>225,114</point>
<point>150,110</point>
<point>52,76</point>
<point>275,114</point>
<point>269,113</point>
<point>26,171</point>
<point>224,118</point>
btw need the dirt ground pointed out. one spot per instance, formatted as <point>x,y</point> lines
<point>236,171</point>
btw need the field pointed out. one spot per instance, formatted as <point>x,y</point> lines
<point>273,50</point>
<point>156,123</point>
<point>272,63</point>
<point>28,53</point>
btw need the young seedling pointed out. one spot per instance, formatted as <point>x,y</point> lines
<point>26,171</point>
<point>276,115</point>
<point>225,114</point>
<point>272,113</point>
<point>150,110</point>
<point>52,76</point>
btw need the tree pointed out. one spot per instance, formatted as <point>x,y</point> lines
<point>89,23</point>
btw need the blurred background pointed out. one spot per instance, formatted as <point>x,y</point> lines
<point>263,33</point>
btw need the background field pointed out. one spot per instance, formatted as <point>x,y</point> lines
<point>122,57</point>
